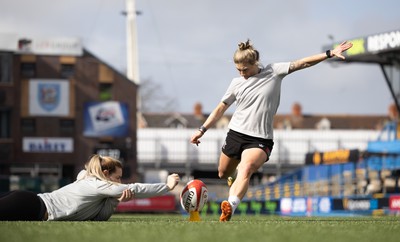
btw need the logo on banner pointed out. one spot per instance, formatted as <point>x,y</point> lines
<point>359,204</point>
<point>48,96</point>
<point>106,115</point>
<point>106,119</point>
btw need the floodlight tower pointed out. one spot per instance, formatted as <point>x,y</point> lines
<point>132,49</point>
<point>132,53</point>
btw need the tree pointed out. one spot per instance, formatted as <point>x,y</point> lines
<point>153,98</point>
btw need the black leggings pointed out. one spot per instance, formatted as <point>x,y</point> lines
<point>21,206</point>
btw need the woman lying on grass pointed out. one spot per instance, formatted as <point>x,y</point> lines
<point>93,196</point>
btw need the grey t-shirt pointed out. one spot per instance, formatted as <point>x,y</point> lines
<point>257,100</point>
<point>89,198</point>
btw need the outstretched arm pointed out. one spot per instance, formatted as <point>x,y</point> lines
<point>315,59</point>
<point>214,117</point>
<point>144,190</point>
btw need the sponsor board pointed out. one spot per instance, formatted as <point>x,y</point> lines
<point>360,204</point>
<point>254,207</point>
<point>372,44</point>
<point>106,119</point>
<point>394,203</point>
<point>154,204</point>
<point>41,46</point>
<point>47,145</point>
<point>293,206</point>
<point>332,157</point>
<point>319,205</point>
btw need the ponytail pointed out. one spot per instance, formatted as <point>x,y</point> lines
<point>97,164</point>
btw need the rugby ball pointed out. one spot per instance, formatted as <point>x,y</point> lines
<point>194,195</point>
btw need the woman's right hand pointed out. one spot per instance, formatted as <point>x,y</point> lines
<point>195,138</point>
<point>172,181</point>
<point>126,196</point>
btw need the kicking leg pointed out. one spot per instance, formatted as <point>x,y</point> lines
<point>252,160</point>
<point>227,166</point>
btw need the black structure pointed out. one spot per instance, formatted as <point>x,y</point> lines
<point>382,49</point>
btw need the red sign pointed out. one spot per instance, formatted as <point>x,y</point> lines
<point>394,203</point>
<point>153,204</point>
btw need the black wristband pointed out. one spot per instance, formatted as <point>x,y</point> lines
<point>202,129</point>
<point>328,54</point>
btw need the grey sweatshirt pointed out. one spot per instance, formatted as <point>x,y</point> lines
<point>93,199</point>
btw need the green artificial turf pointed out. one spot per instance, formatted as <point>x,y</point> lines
<point>173,227</point>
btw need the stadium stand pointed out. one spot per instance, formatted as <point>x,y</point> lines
<point>375,171</point>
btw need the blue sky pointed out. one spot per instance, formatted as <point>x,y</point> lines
<point>186,46</point>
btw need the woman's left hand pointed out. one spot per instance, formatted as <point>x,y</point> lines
<point>126,196</point>
<point>172,181</point>
<point>341,48</point>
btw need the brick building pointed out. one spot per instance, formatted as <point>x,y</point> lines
<point>58,105</point>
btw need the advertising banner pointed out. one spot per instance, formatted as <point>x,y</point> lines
<point>372,44</point>
<point>394,203</point>
<point>332,157</point>
<point>305,206</point>
<point>360,204</point>
<point>249,207</point>
<point>106,119</point>
<point>293,206</point>
<point>317,205</point>
<point>114,152</point>
<point>49,97</point>
<point>41,46</point>
<point>154,204</point>
<point>311,206</point>
<point>46,145</point>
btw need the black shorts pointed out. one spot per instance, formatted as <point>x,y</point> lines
<point>236,143</point>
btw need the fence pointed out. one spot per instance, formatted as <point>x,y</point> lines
<point>171,149</point>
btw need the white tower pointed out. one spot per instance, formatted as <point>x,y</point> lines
<point>132,49</point>
<point>132,55</point>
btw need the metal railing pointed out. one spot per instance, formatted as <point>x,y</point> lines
<point>335,187</point>
<point>170,148</point>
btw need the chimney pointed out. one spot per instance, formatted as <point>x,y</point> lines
<point>198,111</point>
<point>296,119</point>
<point>296,110</point>
<point>393,114</point>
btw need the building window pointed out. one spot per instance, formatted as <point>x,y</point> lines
<point>67,127</point>
<point>28,70</point>
<point>3,97</point>
<point>5,67</point>
<point>67,70</point>
<point>5,124</point>
<point>105,91</point>
<point>28,126</point>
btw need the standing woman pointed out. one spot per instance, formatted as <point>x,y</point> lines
<point>256,92</point>
<point>93,196</point>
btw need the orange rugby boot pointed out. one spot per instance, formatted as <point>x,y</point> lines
<point>226,209</point>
